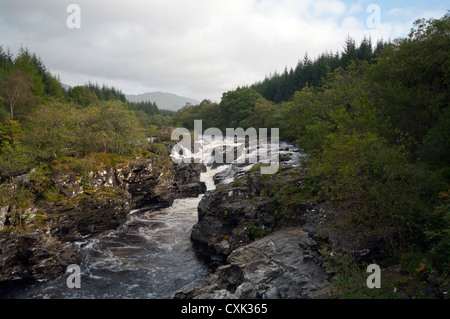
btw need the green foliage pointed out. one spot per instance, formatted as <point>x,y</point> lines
<point>52,130</point>
<point>206,111</point>
<point>438,235</point>
<point>105,93</point>
<point>435,147</point>
<point>160,149</point>
<point>18,198</point>
<point>17,94</point>
<point>10,131</point>
<point>350,281</point>
<point>27,63</point>
<point>365,127</point>
<point>236,106</point>
<point>366,176</point>
<point>239,108</point>
<point>82,96</point>
<point>112,128</point>
<point>281,87</point>
<point>265,115</point>
<point>15,159</point>
<point>92,94</point>
<point>256,230</point>
<point>57,129</point>
<point>412,75</point>
<point>150,108</point>
<point>24,82</point>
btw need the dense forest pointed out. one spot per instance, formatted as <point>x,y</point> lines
<point>280,87</point>
<point>374,120</point>
<point>40,121</point>
<point>376,123</point>
<point>44,128</point>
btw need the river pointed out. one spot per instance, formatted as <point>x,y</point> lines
<point>149,256</point>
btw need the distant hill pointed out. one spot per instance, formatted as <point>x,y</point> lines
<point>167,101</point>
<point>65,86</point>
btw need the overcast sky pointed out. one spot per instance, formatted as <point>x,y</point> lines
<point>195,48</point>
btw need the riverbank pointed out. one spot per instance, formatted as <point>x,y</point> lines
<point>282,240</point>
<point>38,243</point>
<point>272,236</point>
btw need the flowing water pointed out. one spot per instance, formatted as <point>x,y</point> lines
<point>149,256</point>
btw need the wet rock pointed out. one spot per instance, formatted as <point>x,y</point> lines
<point>34,257</point>
<point>277,266</point>
<point>90,216</point>
<point>240,211</point>
<point>227,217</point>
<point>191,190</point>
<point>231,172</point>
<point>37,244</point>
<point>284,157</point>
<point>148,184</point>
<point>187,180</point>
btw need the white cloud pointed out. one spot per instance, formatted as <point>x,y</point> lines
<point>356,8</point>
<point>197,48</point>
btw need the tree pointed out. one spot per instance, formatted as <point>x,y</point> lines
<point>237,105</point>
<point>15,159</point>
<point>350,52</point>
<point>25,62</point>
<point>6,62</point>
<point>108,127</point>
<point>265,115</point>
<point>411,78</point>
<point>364,52</point>
<point>82,96</point>
<point>17,92</point>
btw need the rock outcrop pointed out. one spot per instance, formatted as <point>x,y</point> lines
<point>39,243</point>
<point>35,257</point>
<point>287,261</point>
<point>187,180</point>
<point>235,214</point>
<point>149,184</point>
<point>281,265</point>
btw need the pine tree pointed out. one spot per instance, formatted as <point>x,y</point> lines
<point>350,52</point>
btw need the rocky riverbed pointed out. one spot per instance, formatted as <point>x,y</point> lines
<point>269,230</point>
<point>265,251</point>
<point>42,241</point>
<point>264,232</point>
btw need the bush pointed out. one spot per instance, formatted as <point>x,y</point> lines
<point>374,182</point>
<point>15,159</point>
<point>57,129</point>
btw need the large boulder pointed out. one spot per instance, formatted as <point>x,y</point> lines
<point>35,257</point>
<point>234,214</point>
<point>230,217</point>
<point>149,184</point>
<point>187,180</point>
<point>281,265</point>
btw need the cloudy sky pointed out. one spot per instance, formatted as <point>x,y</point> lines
<point>195,48</point>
